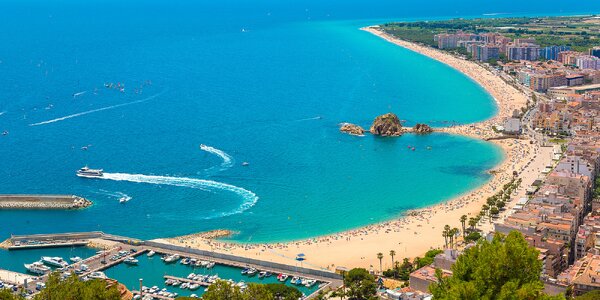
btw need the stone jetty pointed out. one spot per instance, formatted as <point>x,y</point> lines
<point>43,202</point>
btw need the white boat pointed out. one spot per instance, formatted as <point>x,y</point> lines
<point>89,173</point>
<point>151,253</point>
<point>131,261</point>
<point>172,258</point>
<point>54,261</point>
<point>262,274</point>
<point>75,259</point>
<point>124,199</point>
<point>210,265</point>
<point>310,283</point>
<point>282,277</point>
<point>37,268</point>
<point>97,275</point>
<point>194,286</point>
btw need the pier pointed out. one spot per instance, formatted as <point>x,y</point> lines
<point>181,279</point>
<point>43,202</point>
<point>112,244</point>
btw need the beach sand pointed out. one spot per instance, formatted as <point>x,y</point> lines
<point>421,230</point>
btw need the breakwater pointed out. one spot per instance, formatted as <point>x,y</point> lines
<point>43,202</point>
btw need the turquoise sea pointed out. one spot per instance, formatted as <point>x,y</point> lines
<point>263,82</point>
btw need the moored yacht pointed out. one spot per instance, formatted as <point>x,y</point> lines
<point>37,268</point>
<point>89,173</point>
<point>54,261</point>
<point>131,261</point>
<point>151,253</point>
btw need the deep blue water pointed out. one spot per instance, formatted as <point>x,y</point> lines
<point>265,82</point>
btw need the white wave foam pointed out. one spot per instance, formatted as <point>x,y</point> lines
<point>2,112</point>
<point>310,119</point>
<point>227,159</point>
<point>249,197</point>
<point>79,94</point>
<point>94,110</point>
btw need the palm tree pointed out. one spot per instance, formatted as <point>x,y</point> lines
<point>453,233</point>
<point>446,235</point>
<point>472,223</point>
<point>380,257</point>
<point>392,253</point>
<point>463,220</point>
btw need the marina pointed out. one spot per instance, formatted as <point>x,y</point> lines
<point>162,270</point>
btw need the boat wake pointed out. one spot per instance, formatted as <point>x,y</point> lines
<point>249,198</point>
<point>227,159</point>
<point>2,112</point>
<point>118,195</point>
<point>95,110</point>
<point>310,119</point>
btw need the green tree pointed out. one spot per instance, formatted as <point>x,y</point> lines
<point>6,294</point>
<point>473,237</point>
<point>72,288</point>
<point>505,268</point>
<point>472,223</point>
<point>592,295</point>
<point>281,291</point>
<point>392,254</point>
<point>360,285</point>
<point>463,221</point>
<point>223,290</point>
<point>256,291</point>
<point>380,257</point>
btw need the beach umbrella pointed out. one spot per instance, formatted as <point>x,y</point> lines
<point>300,255</point>
<point>300,258</point>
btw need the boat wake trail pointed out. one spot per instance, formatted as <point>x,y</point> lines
<point>310,119</point>
<point>95,110</point>
<point>118,195</point>
<point>249,198</point>
<point>227,159</point>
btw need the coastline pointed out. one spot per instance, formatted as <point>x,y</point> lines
<point>419,230</point>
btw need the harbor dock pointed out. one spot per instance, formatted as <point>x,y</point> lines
<point>43,202</point>
<point>113,245</point>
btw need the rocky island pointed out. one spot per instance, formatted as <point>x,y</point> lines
<point>352,129</point>
<point>422,129</point>
<point>387,125</point>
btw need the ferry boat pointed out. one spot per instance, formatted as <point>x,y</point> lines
<point>89,173</point>
<point>37,268</point>
<point>54,261</point>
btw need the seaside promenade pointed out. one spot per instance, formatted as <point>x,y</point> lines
<point>421,230</point>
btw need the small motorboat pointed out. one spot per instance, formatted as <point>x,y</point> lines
<point>245,164</point>
<point>75,259</point>
<point>131,261</point>
<point>151,253</point>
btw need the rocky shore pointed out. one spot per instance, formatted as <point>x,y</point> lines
<point>43,202</point>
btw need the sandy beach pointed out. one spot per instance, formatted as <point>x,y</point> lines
<point>421,230</point>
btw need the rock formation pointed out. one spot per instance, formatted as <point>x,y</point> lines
<point>352,129</point>
<point>387,125</point>
<point>422,129</point>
